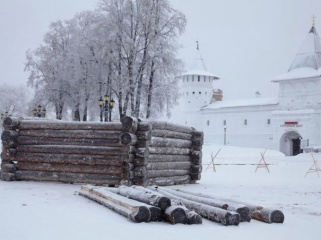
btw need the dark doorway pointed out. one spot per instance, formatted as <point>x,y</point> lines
<point>296,146</point>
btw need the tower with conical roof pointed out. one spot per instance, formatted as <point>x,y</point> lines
<point>197,84</point>
<point>300,87</point>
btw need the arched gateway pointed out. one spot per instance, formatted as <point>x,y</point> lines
<point>290,143</point>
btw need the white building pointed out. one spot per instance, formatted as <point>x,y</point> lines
<point>288,122</point>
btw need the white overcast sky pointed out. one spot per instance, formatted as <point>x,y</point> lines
<point>244,42</point>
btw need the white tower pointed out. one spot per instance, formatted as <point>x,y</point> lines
<point>197,84</point>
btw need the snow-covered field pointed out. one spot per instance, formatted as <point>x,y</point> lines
<point>46,211</point>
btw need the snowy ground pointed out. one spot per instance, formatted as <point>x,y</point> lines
<point>31,210</point>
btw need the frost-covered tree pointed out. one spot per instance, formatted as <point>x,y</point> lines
<point>14,100</point>
<point>126,49</point>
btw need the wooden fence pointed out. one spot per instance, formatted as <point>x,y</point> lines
<point>130,152</point>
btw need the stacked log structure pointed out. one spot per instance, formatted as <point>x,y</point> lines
<point>130,152</point>
<point>70,152</point>
<point>174,153</point>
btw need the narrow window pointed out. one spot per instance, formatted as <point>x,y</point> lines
<point>193,78</point>
<point>269,121</point>
<point>245,121</point>
<point>208,122</point>
<point>224,122</point>
<point>193,92</point>
<point>200,92</point>
<point>199,78</point>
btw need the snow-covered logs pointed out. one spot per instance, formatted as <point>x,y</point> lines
<point>128,152</point>
<point>176,206</point>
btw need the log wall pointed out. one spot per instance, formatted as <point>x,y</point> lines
<point>130,152</point>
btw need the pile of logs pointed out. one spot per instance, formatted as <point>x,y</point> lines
<point>128,152</point>
<point>166,153</point>
<point>141,204</point>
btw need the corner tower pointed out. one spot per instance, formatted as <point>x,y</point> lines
<point>197,84</point>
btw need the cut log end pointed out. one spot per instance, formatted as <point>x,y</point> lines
<point>277,216</point>
<point>175,215</point>
<point>141,215</point>
<point>163,203</point>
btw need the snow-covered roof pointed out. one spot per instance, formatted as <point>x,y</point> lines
<point>307,62</point>
<point>198,66</point>
<point>242,103</point>
<point>298,73</point>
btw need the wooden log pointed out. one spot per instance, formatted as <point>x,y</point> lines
<point>9,136</point>
<point>11,168</point>
<point>160,125</point>
<point>128,139</point>
<point>143,143</point>
<point>196,168</point>
<point>144,126</point>
<point>168,165</point>
<point>65,125</point>
<point>11,122</point>
<point>268,215</point>
<point>192,216</point>
<point>142,152</point>
<point>141,181</point>
<point>241,209</point>
<point>170,134</point>
<point>133,210</point>
<point>70,168</point>
<point>169,158</point>
<point>198,134</point>
<point>169,151</point>
<point>170,142</point>
<point>168,181</point>
<point>147,197</point>
<point>196,157</point>
<point>159,199</point>
<point>71,149</point>
<point>196,147</point>
<point>92,134</point>
<point>195,176</point>
<point>212,213</point>
<point>260,213</point>
<point>140,171</point>
<point>5,161</point>
<point>7,176</point>
<point>141,161</point>
<point>128,175</point>
<point>144,135</point>
<point>129,124</point>
<point>84,159</point>
<point>197,142</point>
<point>175,214</point>
<point>167,173</point>
<point>128,166</point>
<point>9,153</point>
<point>27,140</point>
<point>68,177</point>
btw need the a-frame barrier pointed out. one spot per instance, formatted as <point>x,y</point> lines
<point>314,168</point>
<point>262,163</point>
<point>212,163</point>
